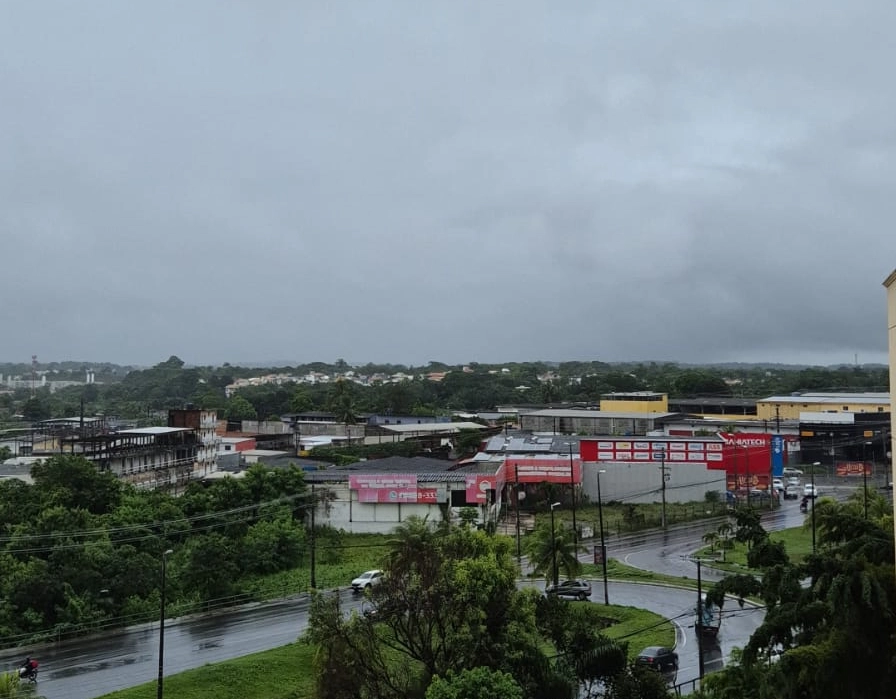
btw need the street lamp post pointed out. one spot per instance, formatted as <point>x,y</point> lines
<point>603,548</point>
<point>162,626</point>
<point>572,486</point>
<point>663,486</point>
<point>814,466</point>
<point>865,476</point>
<point>554,572</point>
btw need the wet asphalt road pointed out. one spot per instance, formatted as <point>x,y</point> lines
<point>669,552</point>
<point>90,667</point>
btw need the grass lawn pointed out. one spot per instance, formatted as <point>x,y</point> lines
<point>639,628</point>
<point>282,673</point>
<point>338,562</point>
<point>797,541</point>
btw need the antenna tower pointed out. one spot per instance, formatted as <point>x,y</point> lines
<point>33,373</point>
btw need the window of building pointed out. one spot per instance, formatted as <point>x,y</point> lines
<point>846,407</point>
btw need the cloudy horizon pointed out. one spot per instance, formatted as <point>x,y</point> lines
<point>402,182</point>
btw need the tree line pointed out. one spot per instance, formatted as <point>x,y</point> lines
<point>142,394</point>
<point>80,548</point>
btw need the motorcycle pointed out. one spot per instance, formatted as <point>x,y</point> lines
<point>28,671</point>
<point>804,506</point>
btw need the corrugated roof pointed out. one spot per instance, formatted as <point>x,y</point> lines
<point>832,398</point>
<point>155,430</point>
<point>435,427</point>
<point>595,414</point>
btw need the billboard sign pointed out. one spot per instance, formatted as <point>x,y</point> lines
<point>777,456</point>
<point>478,485</point>
<point>393,488</point>
<point>544,470</point>
<point>853,468</point>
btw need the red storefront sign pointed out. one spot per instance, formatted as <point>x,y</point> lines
<point>543,470</point>
<point>428,496</point>
<point>393,488</point>
<point>747,453</point>
<point>853,468</point>
<point>478,485</point>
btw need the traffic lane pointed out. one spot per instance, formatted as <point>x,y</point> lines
<point>679,606</point>
<point>669,552</point>
<point>90,667</point>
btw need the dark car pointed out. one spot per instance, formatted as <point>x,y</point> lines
<point>579,589</point>
<point>659,658</point>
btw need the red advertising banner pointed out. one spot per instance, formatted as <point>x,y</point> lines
<point>478,485</point>
<point>747,452</point>
<point>543,470</point>
<point>853,468</point>
<point>393,488</point>
<point>428,496</point>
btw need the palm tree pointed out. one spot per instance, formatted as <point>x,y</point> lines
<point>542,547</point>
<point>711,539</point>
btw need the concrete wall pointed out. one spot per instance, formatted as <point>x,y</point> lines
<point>640,482</point>
<point>340,512</point>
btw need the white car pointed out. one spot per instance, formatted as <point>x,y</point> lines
<point>367,580</point>
<point>810,491</point>
<point>793,482</point>
<point>777,484</point>
<point>790,471</point>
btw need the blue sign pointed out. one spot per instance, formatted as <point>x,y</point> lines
<point>777,455</point>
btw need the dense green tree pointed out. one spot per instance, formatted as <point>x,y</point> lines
<point>478,683</point>
<point>73,481</point>
<point>449,603</point>
<point>827,631</point>
<point>238,408</point>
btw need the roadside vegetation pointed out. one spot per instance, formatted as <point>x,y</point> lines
<point>830,616</point>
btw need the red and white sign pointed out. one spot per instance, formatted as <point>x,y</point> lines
<point>747,452</point>
<point>427,496</point>
<point>478,486</point>
<point>853,468</point>
<point>543,470</point>
<point>394,488</point>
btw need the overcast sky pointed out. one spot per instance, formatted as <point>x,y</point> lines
<point>453,181</point>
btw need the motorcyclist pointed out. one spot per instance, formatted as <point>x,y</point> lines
<point>804,504</point>
<point>28,669</point>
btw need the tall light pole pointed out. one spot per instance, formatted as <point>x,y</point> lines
<point>572,485</point>
<point>663,486</point>
<point>162,626</point>
<point>814,466</point>
<point>516,493</point>
<point>554,548</point>
<point>603,548</point>
<point>865,476</point>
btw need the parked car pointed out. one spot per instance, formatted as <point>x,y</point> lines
<point>579,589</point>
<point>367,580</point>
<point>790,471</point>
<point>810,491</point>
<point>659,658</point>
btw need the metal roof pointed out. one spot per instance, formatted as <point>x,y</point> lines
<point>595,414</point>
<point>832,398</point>
<point>435,427</point>
<point>155,430</point>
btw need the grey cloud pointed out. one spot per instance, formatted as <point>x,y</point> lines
<point>690,181</point>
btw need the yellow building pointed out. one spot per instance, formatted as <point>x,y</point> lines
<point>790,407</point>
<point>635,402</point>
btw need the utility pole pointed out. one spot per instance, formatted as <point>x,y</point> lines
<point>572,484</point>
<point>603,548</point>
<point>778,419</point>
<point>702,669</point>
<point>312,542</point>
<point>516,494</point>
<point>663,488</point>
